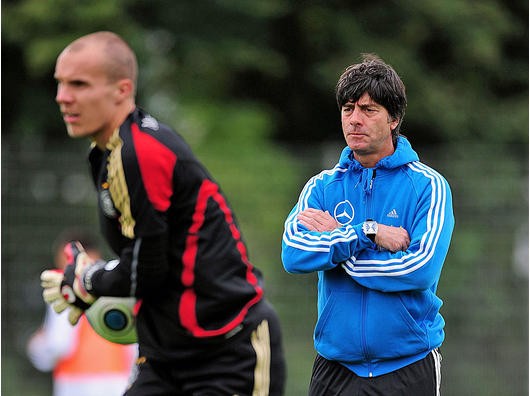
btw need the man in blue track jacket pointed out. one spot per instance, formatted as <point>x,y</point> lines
<point>376,228</point>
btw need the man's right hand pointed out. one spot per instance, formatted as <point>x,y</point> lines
<point>317,220</point>
<point>51,283</point>
<point>66,290</point>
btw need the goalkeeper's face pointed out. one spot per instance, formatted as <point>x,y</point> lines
<point>89,101</point>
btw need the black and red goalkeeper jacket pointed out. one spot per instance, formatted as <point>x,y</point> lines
<point>180,250</point>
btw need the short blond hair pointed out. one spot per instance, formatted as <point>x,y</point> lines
<point>120,59</point>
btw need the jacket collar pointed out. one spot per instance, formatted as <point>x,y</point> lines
<point>403,154</point>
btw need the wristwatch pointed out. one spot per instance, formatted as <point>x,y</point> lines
<point>370,229</point>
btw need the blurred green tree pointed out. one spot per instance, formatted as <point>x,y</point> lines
<point>465,63</point>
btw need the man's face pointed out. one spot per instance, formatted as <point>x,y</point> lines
<point>85,96</point>
<point>367,127</point>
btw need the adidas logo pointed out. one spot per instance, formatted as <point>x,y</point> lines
<point>393,214</point>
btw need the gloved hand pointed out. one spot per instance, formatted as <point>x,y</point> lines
<point>67,290</point>
<point>51,283</point>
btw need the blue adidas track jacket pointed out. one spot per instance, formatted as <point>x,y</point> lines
<point>377,310</point>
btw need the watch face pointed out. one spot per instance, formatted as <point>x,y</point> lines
<point>370,227</point>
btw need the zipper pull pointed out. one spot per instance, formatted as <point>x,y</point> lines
<point>372,181</point>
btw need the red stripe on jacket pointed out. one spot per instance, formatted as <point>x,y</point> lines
<point>156,163</point>
<point>187,308</point>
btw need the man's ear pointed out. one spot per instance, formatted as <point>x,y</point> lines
<point>394,123</point>
<point>124,89</point>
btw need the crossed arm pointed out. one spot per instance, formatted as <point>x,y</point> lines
<point>391,238</point>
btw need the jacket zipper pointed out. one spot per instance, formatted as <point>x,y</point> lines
<point>369,198</point>
<point>373,177</point>
<point>364,295</point>
<point>364,305</point>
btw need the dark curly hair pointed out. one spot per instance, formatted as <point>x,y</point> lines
<point>380,81</point>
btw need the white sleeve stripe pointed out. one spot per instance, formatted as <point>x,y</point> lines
<point>410,262</point>
<point>304,244</point>
<point>306,192</point>
<point>435,205</point>
<point>305,240</point>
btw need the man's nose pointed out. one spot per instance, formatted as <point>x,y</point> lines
<point>62,95</point>
<point>356,116</point>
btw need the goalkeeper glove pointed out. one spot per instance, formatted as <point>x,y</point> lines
<point>67,290</point>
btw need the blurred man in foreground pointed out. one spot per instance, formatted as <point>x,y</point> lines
<point>204,325</point>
